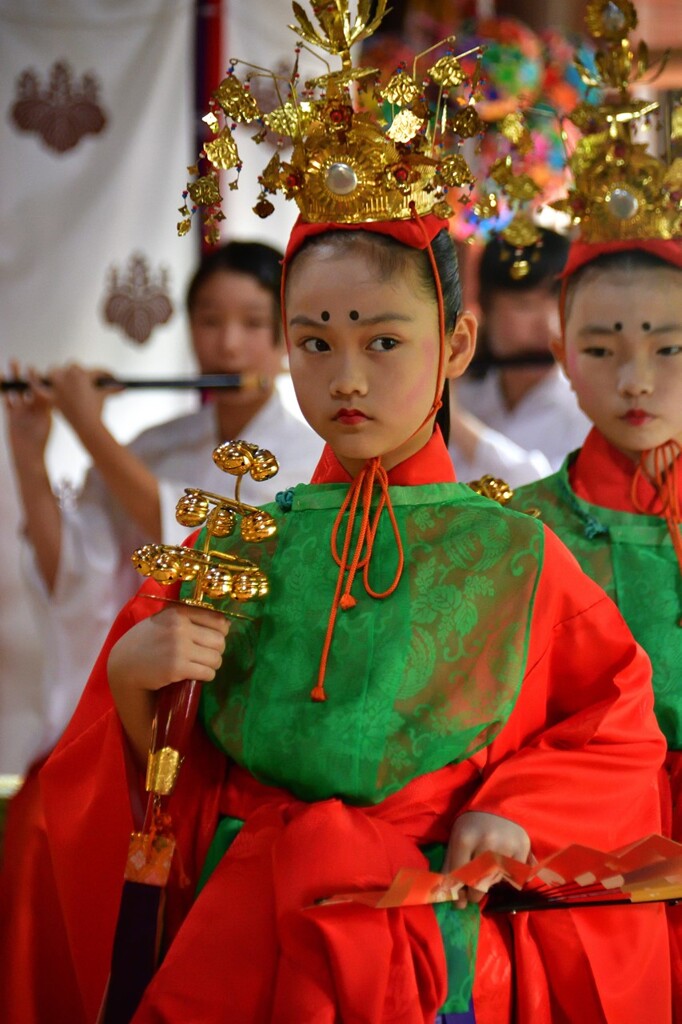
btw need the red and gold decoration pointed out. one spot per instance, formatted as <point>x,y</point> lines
<point>620,191</point>
<point>360,150</point>
<point>649,870</point>
<point>214,576</point>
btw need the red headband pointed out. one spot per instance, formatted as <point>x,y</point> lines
<point>417,234</point>
<point>582,253</point>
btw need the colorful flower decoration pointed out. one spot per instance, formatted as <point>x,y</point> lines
<point>520,72</point>
<point>545,113</point>
<point>512,64</point>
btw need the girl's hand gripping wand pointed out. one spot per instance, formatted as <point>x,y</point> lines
<point>216,575</point>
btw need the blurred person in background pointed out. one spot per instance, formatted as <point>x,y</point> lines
<point>520,418</point>
<point>129,495</point>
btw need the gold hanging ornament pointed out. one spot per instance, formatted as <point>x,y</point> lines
<point>222,152</point>
<point>447,72</point>
<point>217,575</point>
<point>401,89</point>
<point>236,101</point>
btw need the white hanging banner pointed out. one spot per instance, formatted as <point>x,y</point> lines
<point>95,137</point>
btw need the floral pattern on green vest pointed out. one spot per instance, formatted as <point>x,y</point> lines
<point>632,558</point>
<point>418,680</point>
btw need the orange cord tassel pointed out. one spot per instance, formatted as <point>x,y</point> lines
<point>665,479</point>
<point>362,486</point>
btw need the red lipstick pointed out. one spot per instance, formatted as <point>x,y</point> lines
<point>637,417</point>
<point>349,417</point>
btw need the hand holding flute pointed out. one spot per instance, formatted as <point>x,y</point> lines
<point>28,422</point>
<point>72,391</point>
<point>28,418</point>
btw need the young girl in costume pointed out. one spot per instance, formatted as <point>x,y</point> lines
<point>431,676</point>
<point>616,502</point>
<point>463,672</point>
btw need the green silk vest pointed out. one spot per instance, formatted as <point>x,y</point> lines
<point>631,557</point>
<point>416,681</point>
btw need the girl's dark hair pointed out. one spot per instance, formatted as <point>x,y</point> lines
<point>629,260</point>
<point>389,256</point>
<point>447,265</point>
<point>257,260</point>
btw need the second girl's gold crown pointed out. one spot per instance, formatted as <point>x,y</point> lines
<point>620,190</point>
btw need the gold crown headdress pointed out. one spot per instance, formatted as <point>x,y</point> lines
<point>621,192</point>
<point>348,164</point>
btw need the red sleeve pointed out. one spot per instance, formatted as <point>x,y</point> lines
<point>578,759</point>
<point>578,762</point>
<point>85,793</point>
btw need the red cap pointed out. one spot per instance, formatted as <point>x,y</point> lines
<point>582,253</point>
<point>417,232</point>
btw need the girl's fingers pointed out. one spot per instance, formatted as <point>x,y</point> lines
<point>195,642</point>
<point>206,617</point>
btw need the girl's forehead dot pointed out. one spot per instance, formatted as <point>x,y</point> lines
<point>354,315</point>
<point>324,314</point>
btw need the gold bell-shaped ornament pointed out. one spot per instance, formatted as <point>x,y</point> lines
<point>142,559</point>
<point>245,586</point>
<point>234,457</point>
<point>165,566</point>
<point>264,465</point>
<point>257,526</point>
<point>191,563</point>
<point>221,521</point>
<point>192,508</point>
<point>217,583</point>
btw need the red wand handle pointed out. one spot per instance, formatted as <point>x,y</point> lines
<point>176,713</point>
<point>136,942</point>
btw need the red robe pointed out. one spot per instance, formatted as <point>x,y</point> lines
<point>577,761</point>
<point>602,475</point>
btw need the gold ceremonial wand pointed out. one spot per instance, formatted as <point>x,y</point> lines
<point>216,575</point>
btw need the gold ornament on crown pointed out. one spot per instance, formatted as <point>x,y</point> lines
<point>217,575</point>
<point>356,150</point>
<point>621,191</point>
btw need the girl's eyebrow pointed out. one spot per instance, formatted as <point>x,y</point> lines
<point>595,329</point>
<point>379,318</point>
<point>666,329</point>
